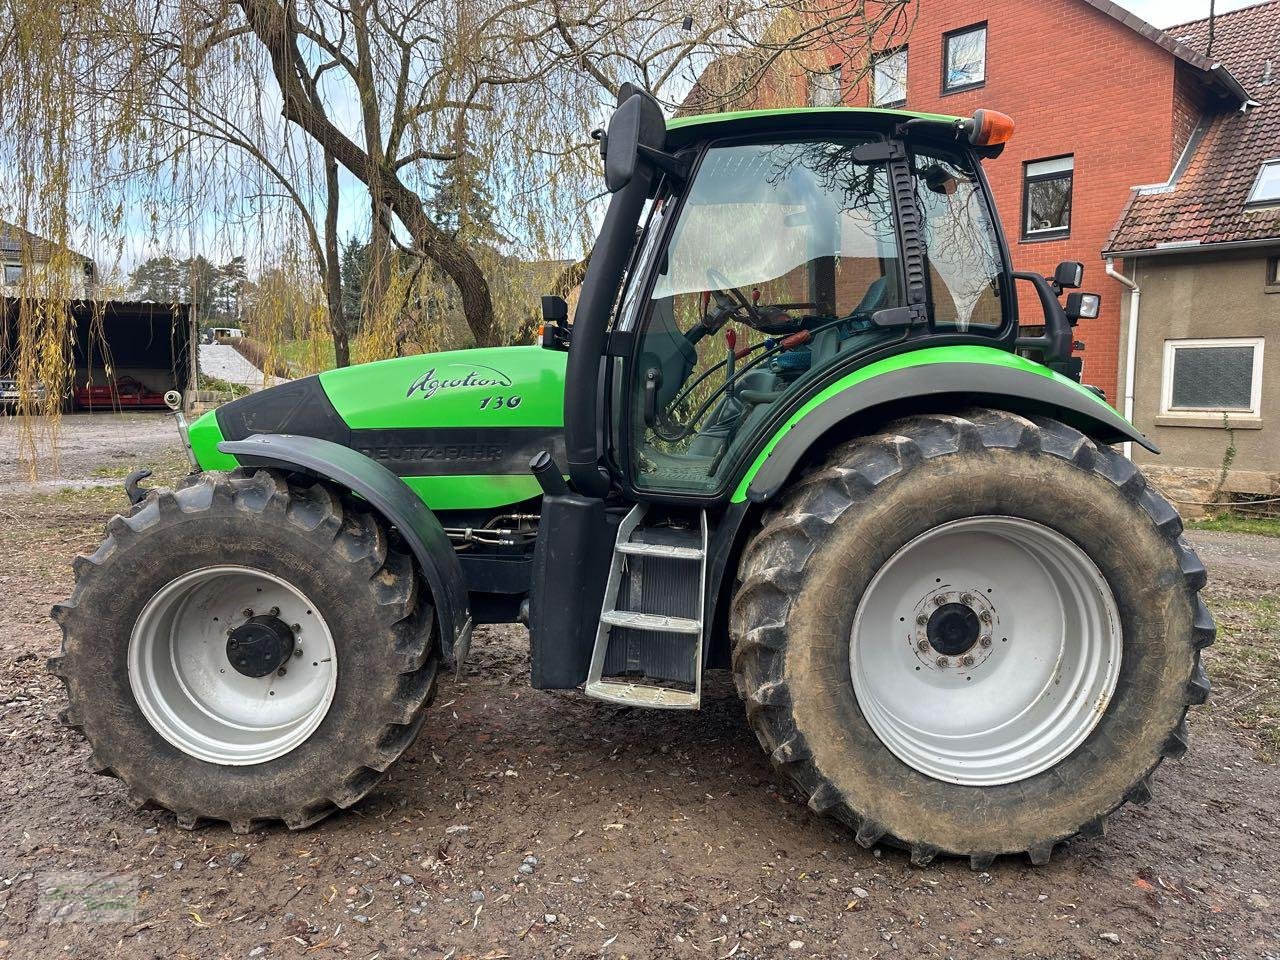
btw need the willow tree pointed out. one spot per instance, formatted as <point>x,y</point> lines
<point>257,126</point>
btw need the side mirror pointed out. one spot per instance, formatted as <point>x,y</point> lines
<point>1083,306</point>
<point>1069,275</point>
<point>555,332</point>
<point>636,123</point>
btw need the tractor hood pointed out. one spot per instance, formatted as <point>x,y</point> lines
<point>459,427</point>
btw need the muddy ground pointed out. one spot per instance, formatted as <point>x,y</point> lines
<point>647,834</point>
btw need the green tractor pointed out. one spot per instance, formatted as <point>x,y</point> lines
<point>795,431</point>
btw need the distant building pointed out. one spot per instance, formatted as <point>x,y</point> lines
<point>23,253</point>
<point>1203,248</point>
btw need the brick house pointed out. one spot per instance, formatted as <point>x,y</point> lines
<point>1202,248</point>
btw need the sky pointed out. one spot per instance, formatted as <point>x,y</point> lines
<point>1164,13</point>
<point>353,214</point>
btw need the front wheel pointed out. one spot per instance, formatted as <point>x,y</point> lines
<point>247,650</point>
<point>971,635</point>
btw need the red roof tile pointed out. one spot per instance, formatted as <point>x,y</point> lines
<point>1206,204</point>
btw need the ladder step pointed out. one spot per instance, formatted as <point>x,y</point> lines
<point>642,695</point>
<point>663,550</point>
<point>651,621</point>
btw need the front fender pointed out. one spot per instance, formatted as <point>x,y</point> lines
<point>388,495</point>
<point>953,376</point>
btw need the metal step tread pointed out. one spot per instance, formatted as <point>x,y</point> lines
<point>641,694</point>
<point>664,550</point>
<point>651,621</point>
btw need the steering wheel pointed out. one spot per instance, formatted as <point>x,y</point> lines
<point>729,296</point>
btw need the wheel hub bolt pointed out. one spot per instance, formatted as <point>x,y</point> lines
<point>248,611</point>
<point>967,661</point>
<point>944,662</point>
<point>273,612</point>
<point>922,620</point>
<point>281,672</point>
<point>985,641</point>
<point>967,599</point>
<point>985,616</point>
<point>939,601</point>
<point>922,645</point>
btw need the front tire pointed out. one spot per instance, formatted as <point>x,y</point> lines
<point>306,592</point>
<point>1010,701</point>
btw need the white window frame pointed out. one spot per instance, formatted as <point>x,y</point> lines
<point>825,84</point>
<point>1255,392</point>
<point>1256,201</point>
<point>947,39</point>
<point>876,100</point>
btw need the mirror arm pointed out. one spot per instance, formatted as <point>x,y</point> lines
<point>1057,342</point>
<point>677,166</point>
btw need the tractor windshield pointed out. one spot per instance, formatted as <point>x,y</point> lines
<point>781,255</point>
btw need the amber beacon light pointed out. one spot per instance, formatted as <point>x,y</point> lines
<point>989,128</point>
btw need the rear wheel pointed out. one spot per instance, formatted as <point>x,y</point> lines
<point>971,635</point>
<point>247,650</point>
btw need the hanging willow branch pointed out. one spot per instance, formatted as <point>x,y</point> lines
<point>271,129</point>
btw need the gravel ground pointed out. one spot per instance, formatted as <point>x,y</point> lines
<point>532,824</point>
<point>93,449</point>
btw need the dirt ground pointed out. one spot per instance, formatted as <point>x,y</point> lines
<point>92,449</point>
<point>531,824</point>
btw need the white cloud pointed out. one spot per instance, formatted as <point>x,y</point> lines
<point>1164,13</point>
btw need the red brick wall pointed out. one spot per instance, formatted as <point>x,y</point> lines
<point>1189,105</point>
<point>1076,82</point>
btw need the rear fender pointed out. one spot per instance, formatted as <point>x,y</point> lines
<point>392,499</point>
<point>931,380</point>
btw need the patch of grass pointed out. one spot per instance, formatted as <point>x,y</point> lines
<point>1244,665</point>
<point>1262,526</point>
<point>222,386</point>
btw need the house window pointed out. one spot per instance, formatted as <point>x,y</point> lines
<point>824,88</point>
<point>1212,376</point>
<point>889,78</point>
<point>12,273</point>
<point>964,54</point>
<point>1046,198</point>
<point>1267,189</point>
<point>1273,275</point>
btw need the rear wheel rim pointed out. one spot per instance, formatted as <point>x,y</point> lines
<point>985,650</point>
<point>194,697</point>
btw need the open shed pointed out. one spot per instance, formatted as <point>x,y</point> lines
<point>127,353</point>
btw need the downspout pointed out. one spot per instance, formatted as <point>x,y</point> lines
<point>1131,346</point>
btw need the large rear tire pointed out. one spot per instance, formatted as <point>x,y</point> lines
<point>971,635</point>
<point>306,591</point>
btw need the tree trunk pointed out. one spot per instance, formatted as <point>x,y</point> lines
<point>333,270</point>
<point>273,25</point>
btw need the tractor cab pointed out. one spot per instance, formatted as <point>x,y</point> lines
<point>749,259</point>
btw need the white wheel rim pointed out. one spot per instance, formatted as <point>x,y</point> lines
<point>1033,685</point>
<point>191,694</point>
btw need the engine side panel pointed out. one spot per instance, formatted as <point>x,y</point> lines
<point>459,427</point>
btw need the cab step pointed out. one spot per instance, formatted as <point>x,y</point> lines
<point>648,649</point>
<point>660,550</point>
<point>651,621</point>
<point>642,695</point>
